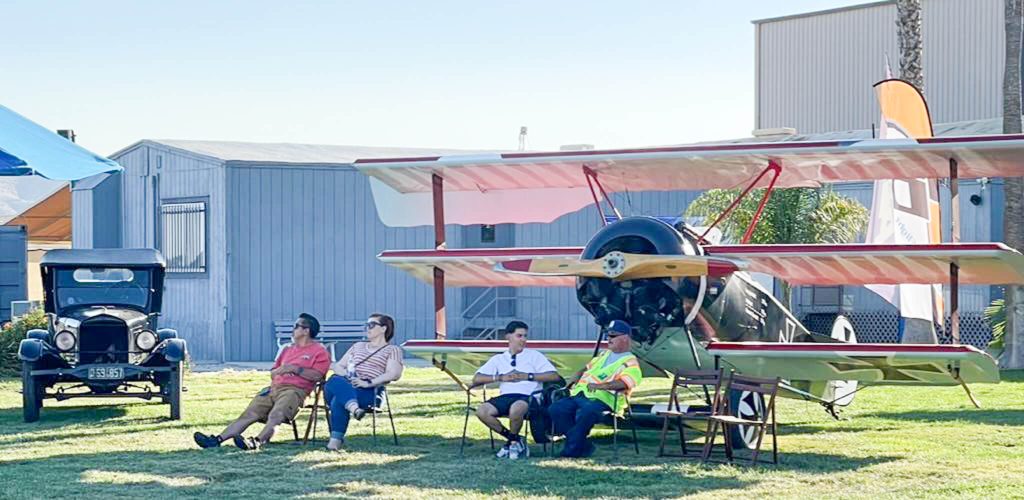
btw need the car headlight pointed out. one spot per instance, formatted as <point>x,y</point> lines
<point>65,340</point>
<point>145,340</point>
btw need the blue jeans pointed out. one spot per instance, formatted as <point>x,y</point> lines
<point>574,417</point>
<point>338,392</point>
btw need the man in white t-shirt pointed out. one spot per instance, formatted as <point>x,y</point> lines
<point>521,372</point>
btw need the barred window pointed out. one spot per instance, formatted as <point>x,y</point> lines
<point>184,236</point>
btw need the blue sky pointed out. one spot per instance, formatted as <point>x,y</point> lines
<point>429,74</point>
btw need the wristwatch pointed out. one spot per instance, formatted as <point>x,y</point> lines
<point>299,373</point>
<point>529,377</point>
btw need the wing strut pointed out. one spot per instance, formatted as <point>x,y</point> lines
<point>772,167</point>
<point>440,322</point>
<point>591,177</point>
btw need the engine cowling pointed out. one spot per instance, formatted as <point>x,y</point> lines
<point>647,304</point>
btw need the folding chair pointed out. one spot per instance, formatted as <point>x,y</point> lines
<point>721,417</point>
<point>625,417</point>
<point>711,383</point>
<point>470,408</point>
<point>381,396</point>
<point>319,400</point>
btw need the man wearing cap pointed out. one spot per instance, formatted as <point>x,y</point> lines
<point>593,392</point>
<point>297,370</point>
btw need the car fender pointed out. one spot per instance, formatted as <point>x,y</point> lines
<point>32,350</point>
<point>173,350</point>
<point>166,333</point>
<point>38,333</point>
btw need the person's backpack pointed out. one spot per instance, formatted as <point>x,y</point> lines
<point>540,420</point>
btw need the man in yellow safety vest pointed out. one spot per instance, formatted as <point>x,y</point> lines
<point>594,391</point>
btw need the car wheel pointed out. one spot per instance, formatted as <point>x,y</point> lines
<point>748,406</point>
<point>172,390</point>
<point>32,399</point>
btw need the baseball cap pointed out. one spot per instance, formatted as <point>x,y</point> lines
<point>619,327</point>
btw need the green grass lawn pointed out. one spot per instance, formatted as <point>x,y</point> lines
<point>914,442</point>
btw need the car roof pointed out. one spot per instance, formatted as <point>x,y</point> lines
<point>104,257</point>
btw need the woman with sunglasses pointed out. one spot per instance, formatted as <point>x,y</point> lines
<point>357,375</point>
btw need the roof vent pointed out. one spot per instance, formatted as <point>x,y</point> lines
<point>576,147</point>
<point>774,132</point>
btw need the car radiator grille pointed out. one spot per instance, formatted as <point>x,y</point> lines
<point>103,340</point>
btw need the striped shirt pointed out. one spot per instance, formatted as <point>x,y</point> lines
<point>370,363</point>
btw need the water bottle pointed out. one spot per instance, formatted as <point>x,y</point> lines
<point>351,369</point>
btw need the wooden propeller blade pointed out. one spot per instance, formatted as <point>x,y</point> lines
<point>624,266</point>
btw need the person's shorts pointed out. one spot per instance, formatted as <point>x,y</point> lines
<point>504,402</point>
<point>283,401</point>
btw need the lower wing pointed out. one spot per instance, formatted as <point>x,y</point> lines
<point>874,364</point>
<point>465,357</point>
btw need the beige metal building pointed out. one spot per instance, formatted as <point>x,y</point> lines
<point>814,71</point>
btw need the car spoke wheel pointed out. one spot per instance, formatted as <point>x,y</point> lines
<point>748,406</point>
<point>172,391</point>
<point>31,393</point>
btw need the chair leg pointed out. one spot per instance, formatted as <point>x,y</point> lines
<point>391,418</point>
<point>615,437</point>
<point>636,441</point>
<point>709,440</point>
<point>728,442</point>
<point>465,426</point>
<point>373,423</point>
<point>664,432</point>
<point>775,447</point>
<point>682,435</point>
<point>295,430</point>
<point>757,447</point>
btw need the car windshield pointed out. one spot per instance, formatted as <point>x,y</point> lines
<point>103,286</point>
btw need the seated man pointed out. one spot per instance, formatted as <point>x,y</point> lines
<point>616,369</point>
<point>521,372</point>
<point>297,370</point>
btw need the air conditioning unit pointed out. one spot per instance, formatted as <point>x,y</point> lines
<point>21,308</point>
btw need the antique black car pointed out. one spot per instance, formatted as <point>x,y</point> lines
<point>102,339</point>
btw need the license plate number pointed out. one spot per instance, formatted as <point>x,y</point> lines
<point>106,373</point>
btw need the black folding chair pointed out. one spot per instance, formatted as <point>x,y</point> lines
<point>626,417</point>
<point>381,404</point>
<point>470,408</point>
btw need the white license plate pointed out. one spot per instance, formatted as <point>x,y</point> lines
<point>106,373</point>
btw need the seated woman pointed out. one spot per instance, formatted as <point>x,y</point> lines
<point>365,366</point>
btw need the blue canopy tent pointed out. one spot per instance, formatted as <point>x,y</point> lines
<point>26,148</point>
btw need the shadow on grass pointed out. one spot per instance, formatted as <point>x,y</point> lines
<point>420,461</point>
<point>978,416</point>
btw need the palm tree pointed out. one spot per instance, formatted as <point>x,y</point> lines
<point>797,215</point>
<point>1013,210</point>
<point>908,30</point>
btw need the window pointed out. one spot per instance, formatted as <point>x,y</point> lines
<point>184,236</point>
<point>487,233</point>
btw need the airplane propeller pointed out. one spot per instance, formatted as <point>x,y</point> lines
<point>622,266</point>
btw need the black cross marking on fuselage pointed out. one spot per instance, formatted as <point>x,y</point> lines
<point>889,372</point>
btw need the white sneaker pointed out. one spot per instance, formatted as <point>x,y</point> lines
<point>518,450</point>
<point>504,451</point>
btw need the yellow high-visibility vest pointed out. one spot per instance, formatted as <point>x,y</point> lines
<point>626,369</point>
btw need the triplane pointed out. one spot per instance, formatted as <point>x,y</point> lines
<point>102,339</point>
<point>691,302</point>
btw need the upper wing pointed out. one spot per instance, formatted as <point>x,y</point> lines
<point>868,264</point>
<point>902,364</point>
<point>851,264</point>
<point>676,168</point>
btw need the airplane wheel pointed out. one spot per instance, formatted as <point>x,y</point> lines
<point>746,405</point>
<point>843,390</point>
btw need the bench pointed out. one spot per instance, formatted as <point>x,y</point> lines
<point>331,333</point>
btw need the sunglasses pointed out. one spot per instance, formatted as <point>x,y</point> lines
<point>372,324</point>
<point>300,325</point>
<point>514,360</point>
